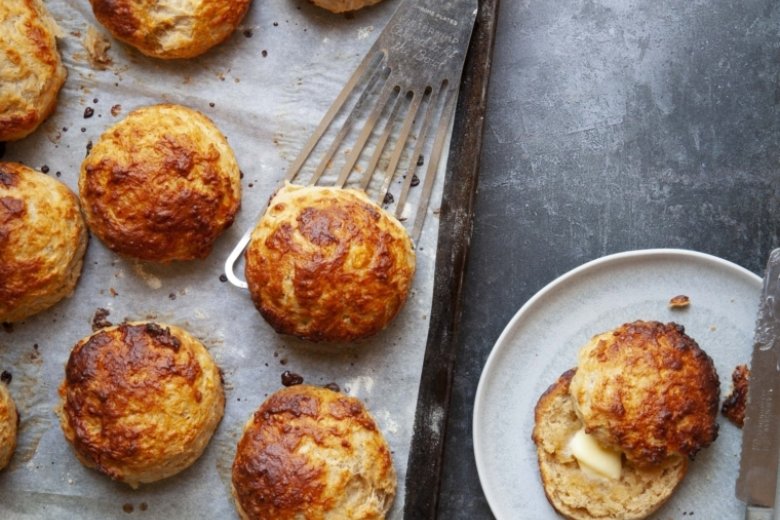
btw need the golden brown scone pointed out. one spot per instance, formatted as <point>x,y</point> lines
<point>42,241</point>
<point>9,423</point>
<point>327,264</point>
<point>160,185</point>
<point>579,495</point>
<point>648,390</point>
<point>312,453</point>
<point>343,6</point>
<point>734,405</point>
<point>31,70</point>
<point>140,401</point>
<point>171,28</point>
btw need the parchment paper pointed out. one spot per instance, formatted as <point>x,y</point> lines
<point>266,88</point>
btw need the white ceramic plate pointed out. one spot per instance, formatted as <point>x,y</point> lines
<point>542,340</point>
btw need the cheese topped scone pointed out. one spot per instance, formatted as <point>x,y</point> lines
<point>328,264</point>
<point>31,69</point>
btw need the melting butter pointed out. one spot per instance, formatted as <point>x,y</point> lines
<point>593,458</point>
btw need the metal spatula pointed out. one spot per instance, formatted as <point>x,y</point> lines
<point>393,114</point>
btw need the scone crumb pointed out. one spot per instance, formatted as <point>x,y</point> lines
<point>679,302</point>
<point>97,45</point>
<point>734,405</point>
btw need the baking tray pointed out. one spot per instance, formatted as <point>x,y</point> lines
<point>265,88</point>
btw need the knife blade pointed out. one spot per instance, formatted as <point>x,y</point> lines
<point>757,481</point>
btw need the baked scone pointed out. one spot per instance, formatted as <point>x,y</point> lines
<point>343,6</point>
<point>310,452</point>
<point>42,241</point>
<point>328,264</point>
<point>9,423</point>
<point>734,404</point>
<point>31,70</point>
<point>140,401</point>
<point>647,390</point>
<point>581,495</point>
<point>160,185</point>
<point>171,28</point>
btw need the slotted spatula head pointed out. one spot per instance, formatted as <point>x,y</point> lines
<point>393,113</point>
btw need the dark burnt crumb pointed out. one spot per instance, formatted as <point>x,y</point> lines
<point>163,336</point>
<point>283,361</point>
<point>679,302</point>
<point>143,506</point>
<point>127,508</point>
<point>113,292</point>
<point>212,104</point>
<point>415,180</point>
<point>89,112</point>
<point>58,174</point>
<point>333,386</point>
<point>172,296</point>
<point>8,327</point>
<point>64,128</point>
<point>223,278</point>
<point>389,199</point>
<point>264,53</point>
<point>221,376</point>
<point>83,130</point>
<point>733,407</point>
<point>291,378</point>
<point>45,169</point>
<point>95,100</point>
<point>116,110</point>
<point>248,33</point>
<point>6,377</point>
<point>420,160</point>
<point>276,24</point>
<point>251,185</point>
<point>99,320</point>
<point>240,174</point>
<point>89,147</point>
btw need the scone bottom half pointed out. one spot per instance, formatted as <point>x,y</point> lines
<point>140,401</point>
<point>311,452</point>
<point>328,264</point>
<point>579,494</point>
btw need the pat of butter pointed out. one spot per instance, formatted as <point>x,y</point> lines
<point>592,456</point>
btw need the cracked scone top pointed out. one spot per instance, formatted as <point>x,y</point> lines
<point>171,29</point>
<point>328,264</point>
<point>311,452</point>
<point>140,401</point>
<point>647,390</point>
<point>31,70</point>
<point>42,241</point>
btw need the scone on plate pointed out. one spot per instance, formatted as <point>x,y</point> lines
<point>328,264</point>
<point>170,28</point>
<point>343,6</point>
<point>160,185</point>
<point>31,70</point>
<point>614,436</point>
<point>42,241</point>
<point>580,493</point>
<point>310,452</point>
<point>140,401</point>
<point>9,423</point>
<point>647,389</point>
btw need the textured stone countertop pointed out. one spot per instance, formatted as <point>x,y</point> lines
<point>613,125</point>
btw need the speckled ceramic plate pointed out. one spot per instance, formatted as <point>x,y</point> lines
<point>542,341</point>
